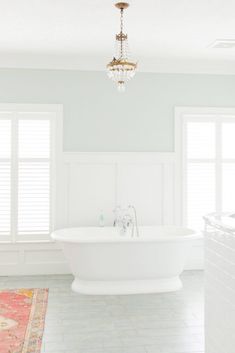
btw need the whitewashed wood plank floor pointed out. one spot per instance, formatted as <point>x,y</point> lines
<point>154,323</point>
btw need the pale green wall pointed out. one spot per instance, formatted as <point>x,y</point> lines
<point>98,118</point>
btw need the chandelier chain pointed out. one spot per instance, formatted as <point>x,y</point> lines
<point>121,31</point>
<point>121,20</point>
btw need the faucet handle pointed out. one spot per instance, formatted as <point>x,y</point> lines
<point>127,219</point>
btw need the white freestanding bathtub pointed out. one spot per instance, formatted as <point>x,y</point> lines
<point>105,262</point>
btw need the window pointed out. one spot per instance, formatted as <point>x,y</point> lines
<point>208,162</point>
<point>27,162</point>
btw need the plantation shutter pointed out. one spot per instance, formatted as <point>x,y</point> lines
<point>5,176</point>
<point>26,146</point>
<point>209,166</point>
<point>200,143</point>
<point>34,176</point>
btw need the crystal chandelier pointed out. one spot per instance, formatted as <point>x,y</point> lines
<point>121,69</point>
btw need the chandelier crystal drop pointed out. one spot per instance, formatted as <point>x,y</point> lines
<point>121,69</point>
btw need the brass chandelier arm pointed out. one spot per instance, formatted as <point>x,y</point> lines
<point>122,63</point>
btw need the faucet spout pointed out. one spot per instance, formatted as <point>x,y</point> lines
<point>135,222</point>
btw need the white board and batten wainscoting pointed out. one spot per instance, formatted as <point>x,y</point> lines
<point>86,184</point>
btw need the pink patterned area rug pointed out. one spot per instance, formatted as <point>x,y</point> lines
<point>22,318</point>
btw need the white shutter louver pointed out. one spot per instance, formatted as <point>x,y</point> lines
<point>228,197</point>
<point>34,198</point>
<point>200,192</point>
<point>5,178</point>
<point>5,199</point>
<point>34,138</point>
<point>228,140</point>
<point>200,140</point>
<point>228,166</point>
<point>34,177</point>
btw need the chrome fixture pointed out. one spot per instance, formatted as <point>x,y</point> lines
<point>135,219</point>
<point>121,69</point>
<point>125,220</point>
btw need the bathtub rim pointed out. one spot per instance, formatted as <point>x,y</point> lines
<point>58,237</point>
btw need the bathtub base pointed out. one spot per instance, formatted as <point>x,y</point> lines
<point>126,287</point>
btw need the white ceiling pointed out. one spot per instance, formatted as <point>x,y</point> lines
<point>164,35</point>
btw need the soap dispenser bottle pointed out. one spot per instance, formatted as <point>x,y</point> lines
<point>101,219</point>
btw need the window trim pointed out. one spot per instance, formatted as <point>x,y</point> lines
<point>180,112</point>
<point>56,154</point>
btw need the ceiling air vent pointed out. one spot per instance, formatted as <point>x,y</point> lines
<point>223,44</point>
